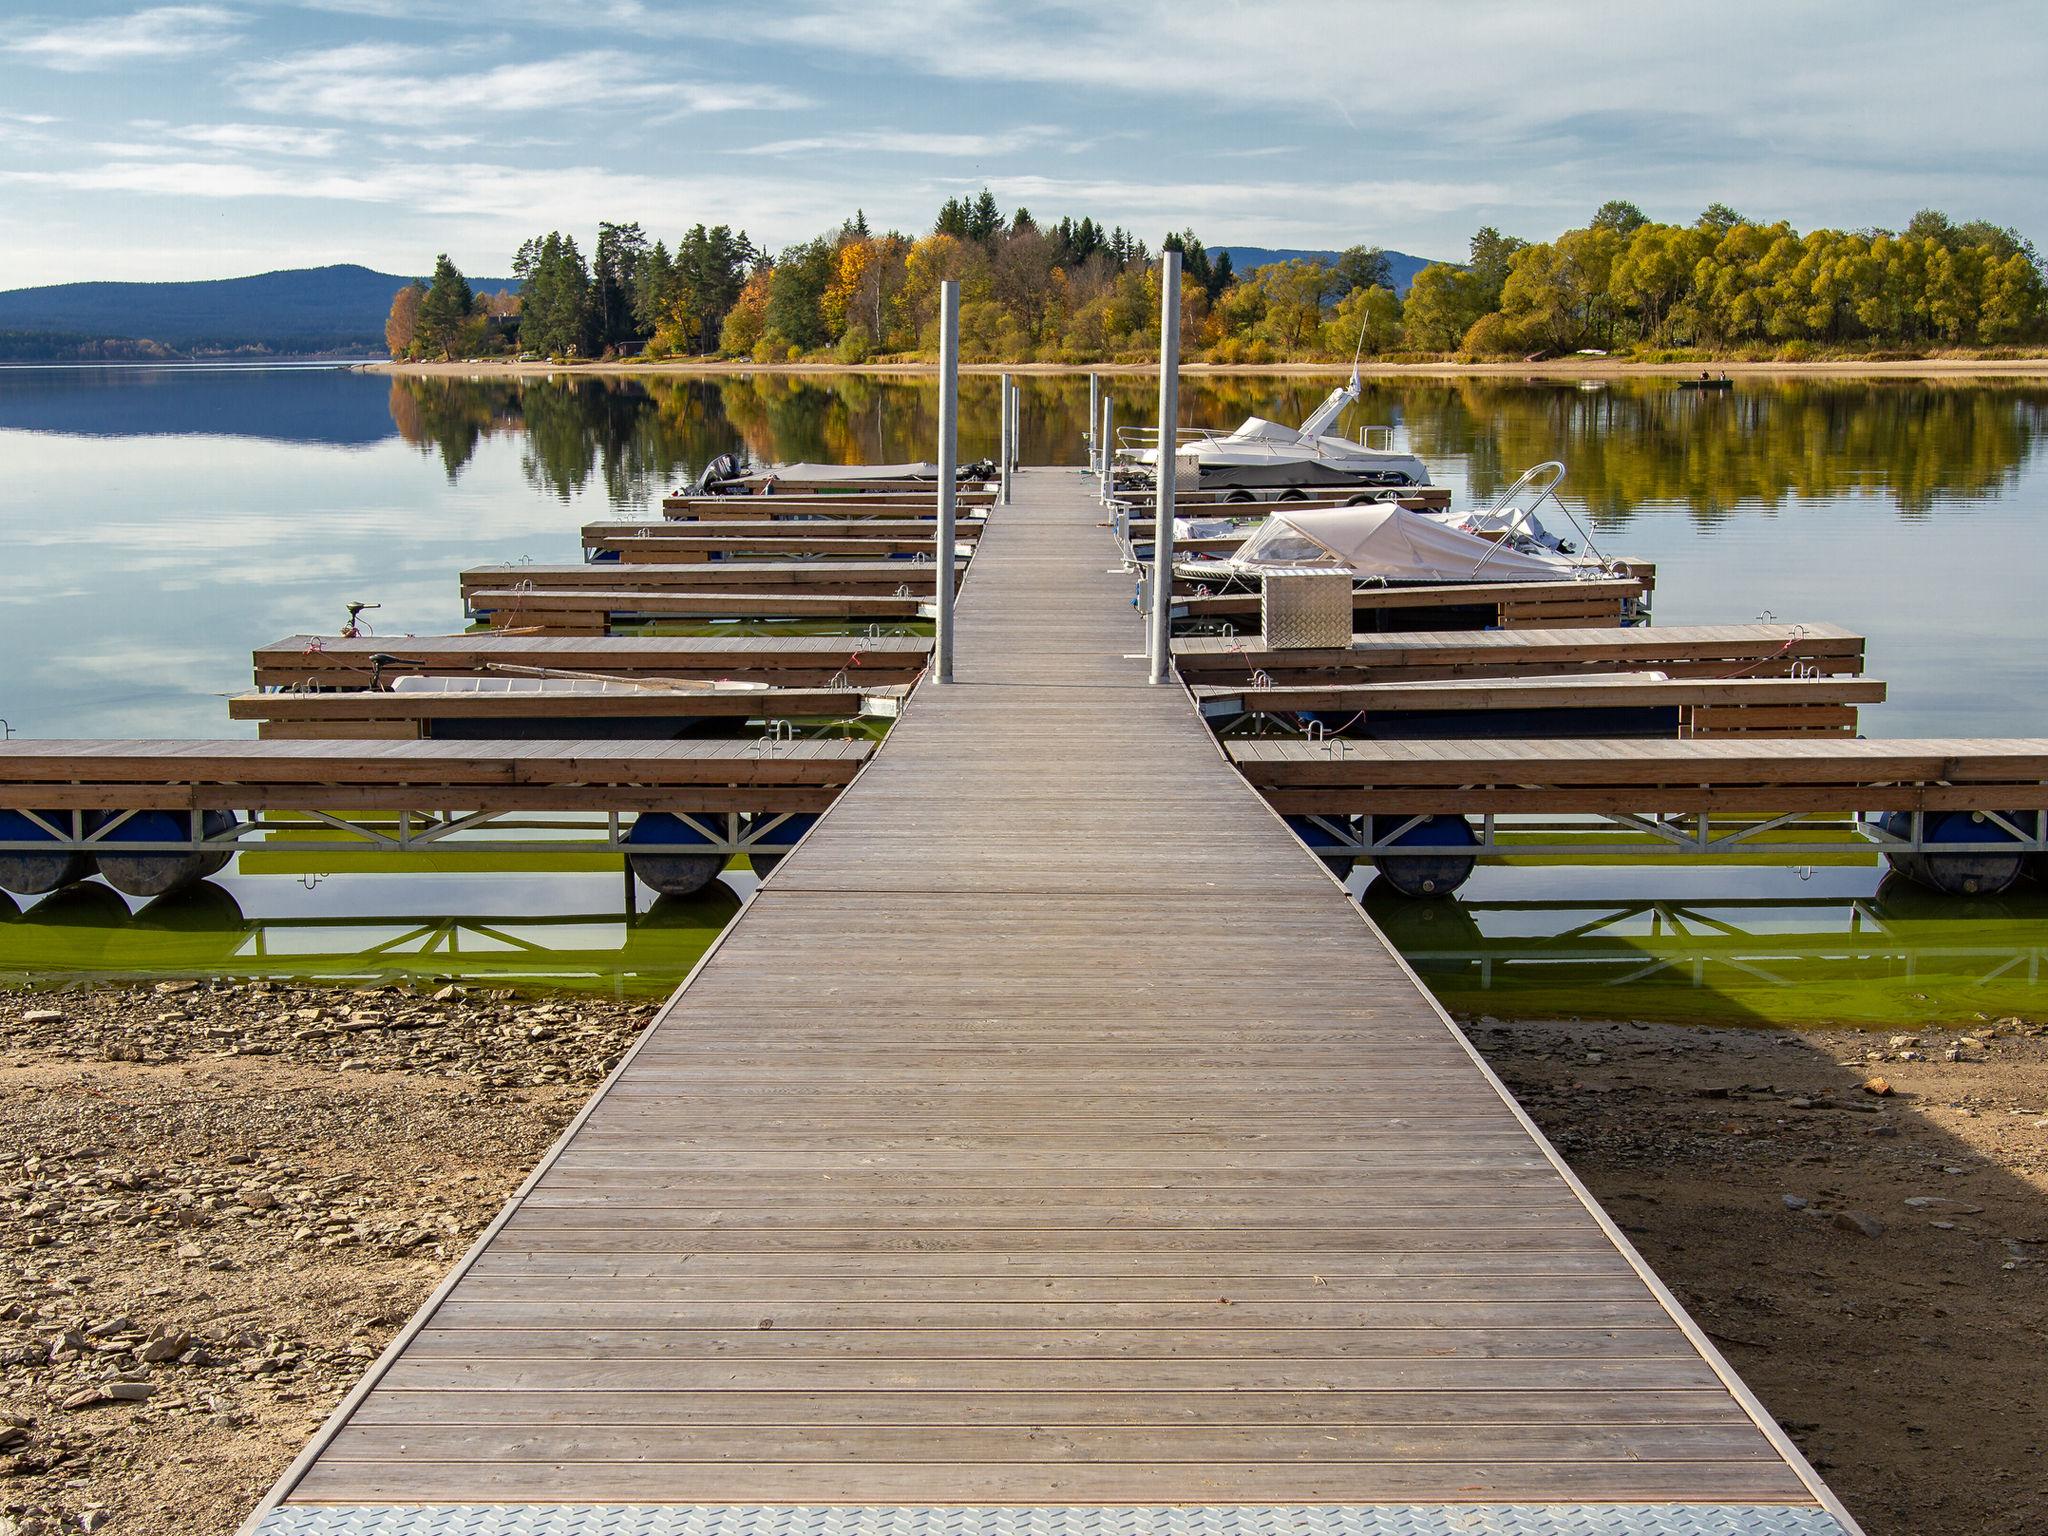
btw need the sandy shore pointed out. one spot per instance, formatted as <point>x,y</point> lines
<point>1572,368</point>
<point>218,1203</point>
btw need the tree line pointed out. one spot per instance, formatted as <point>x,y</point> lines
<point>1078,292</point>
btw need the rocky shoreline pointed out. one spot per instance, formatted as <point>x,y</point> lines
<point>219,1201</point>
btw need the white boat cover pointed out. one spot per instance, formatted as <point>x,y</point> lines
<point>1259,428</point>
<point>1394,545</point>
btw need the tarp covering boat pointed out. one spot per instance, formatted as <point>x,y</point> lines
<point>1394,545</point>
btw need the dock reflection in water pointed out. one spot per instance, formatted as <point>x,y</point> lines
<point>554,931</point>
<point>1898,957</point>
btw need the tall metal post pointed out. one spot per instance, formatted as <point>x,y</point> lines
<point>1161,649</point>
<point>1016,426</point>
<point>1108,464</point>
<point>1003,429</point>
<point>1094,420</point>
<point>949,454</point>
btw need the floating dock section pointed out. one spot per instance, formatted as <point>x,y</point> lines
<point>1051,1146</point>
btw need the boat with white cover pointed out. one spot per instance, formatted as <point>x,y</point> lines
<point>1269,456</point>
<point>1386,545</point>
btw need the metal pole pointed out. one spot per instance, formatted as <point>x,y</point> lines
<point>1094,419</point>
<point>949,453</point>
<point>1161,649</point>
<point>1016,426</point>
<point>1107,466</point>
<point>1003,437</point>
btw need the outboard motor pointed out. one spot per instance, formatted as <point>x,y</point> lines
<point>719,474</point>
<point>980,472</point>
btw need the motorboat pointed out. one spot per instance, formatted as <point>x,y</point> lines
<point>1513,517</point>
<point>1387,545</point>
<point>1264,456</point>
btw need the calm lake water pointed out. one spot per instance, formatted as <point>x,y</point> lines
<point>156,524</point>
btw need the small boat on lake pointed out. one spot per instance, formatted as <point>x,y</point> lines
<point>1511,518</point>
<point>1263,458</point>
<point>1389,546</point>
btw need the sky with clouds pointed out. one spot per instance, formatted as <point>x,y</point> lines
<point>212,139</point>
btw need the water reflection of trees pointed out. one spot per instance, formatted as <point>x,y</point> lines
<point>451,418</point>
<point>1631,445</point>
<point>1641,444</point>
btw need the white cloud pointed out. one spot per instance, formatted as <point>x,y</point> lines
<point>1461,83</point>
<point>387,83</point>
<point>509,202</point>
<point>957,146</point>
<point>160,32</point>
<point>251,138</point>
<point>689,98</point>
<point>495,203</point>
<point>1344,120</point>
<point>170,177</point>
<point>428,143</point>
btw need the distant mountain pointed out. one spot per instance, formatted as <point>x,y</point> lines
<point>311,310</point>
<point>1245,257</point>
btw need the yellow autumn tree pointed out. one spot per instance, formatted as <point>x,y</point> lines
<point>747,320</point>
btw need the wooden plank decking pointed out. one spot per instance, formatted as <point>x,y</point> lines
<point>235,775</point>
<point>1051,1131</point>
<point>1752,775</point>
<point>1680,650</point>
<point>795,661</point>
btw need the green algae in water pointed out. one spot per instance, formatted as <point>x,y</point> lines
<point>1902,958</point>
<point>87,932</point>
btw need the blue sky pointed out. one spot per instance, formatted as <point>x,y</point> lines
<point>210,139</point>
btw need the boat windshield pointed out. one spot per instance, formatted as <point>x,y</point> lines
<point>1279,542</point>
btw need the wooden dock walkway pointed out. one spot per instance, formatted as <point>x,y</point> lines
<point>1051,1146</point>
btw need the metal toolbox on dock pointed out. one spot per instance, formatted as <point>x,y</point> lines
<point>1306,610</point>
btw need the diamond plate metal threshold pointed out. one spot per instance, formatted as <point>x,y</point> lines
<point>1323,1520</point>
